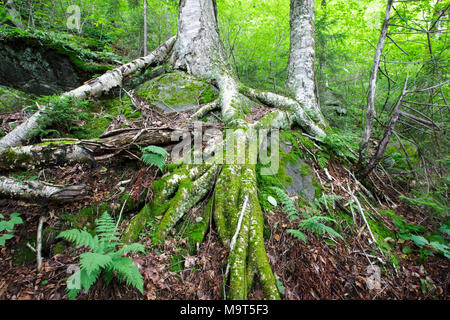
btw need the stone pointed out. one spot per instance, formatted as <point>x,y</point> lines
<point>36,69</point>
<point>12,100</point>
<point>177,92</point>
<point>299,173</point>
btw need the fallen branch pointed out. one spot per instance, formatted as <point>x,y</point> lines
<point>94,87</point>
<point>36,190</point>
<point>39,243</point>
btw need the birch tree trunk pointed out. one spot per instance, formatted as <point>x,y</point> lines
<point>301,73</point>
<point>370,114</point>
<point>145,27</point>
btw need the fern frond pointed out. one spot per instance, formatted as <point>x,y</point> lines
<point>154,156</point>
<point>153,160</point>
<point>107,230</point>
<point>93,262</point>
<point>297,234</point>
<point>79,237</point>
<point>287,203</point>
<point>88,279</point>
<point>134,247</point>
<point>129,272</point>
<point>156,150</point>
<point>315,225</point>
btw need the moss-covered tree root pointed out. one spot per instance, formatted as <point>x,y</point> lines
<point>181,190</point>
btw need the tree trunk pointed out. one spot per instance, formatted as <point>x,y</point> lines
<point>301,74</point>
<point>39,191</point>
<point>386,137</point>
<point>373,85</point>
<point>145,27</point>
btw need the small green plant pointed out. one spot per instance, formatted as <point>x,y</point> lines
<point>7,226</point>
<point>104,258</point>
<point>427,243</point>
<point>311,221</point>
<point>342,144</point>
<point>154,156</point>
<point>63,117</point>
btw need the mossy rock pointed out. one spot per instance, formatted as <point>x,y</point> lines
<point>177,92</point>
<point>12,100</point>
<point>300,180</point>
<point>293,175</point>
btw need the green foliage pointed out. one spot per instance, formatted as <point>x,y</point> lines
<point>342,144</point>
<point>7,226</point>
<point>312,221</point>
<point>435,201</point>
<point>64,117</point>
<point>154,156</point>
<point>104,259</point>
<point>428,243</point>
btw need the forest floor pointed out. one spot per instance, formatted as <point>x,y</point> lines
<point>315,270</point>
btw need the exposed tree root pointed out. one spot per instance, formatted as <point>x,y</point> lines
<point>185,187</point>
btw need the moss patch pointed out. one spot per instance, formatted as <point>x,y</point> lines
<point>177,91</point>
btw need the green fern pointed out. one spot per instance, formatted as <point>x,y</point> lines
<point>287,203</point>
<point>7,226</point>
<point>154,156</point>
<point>311,221</point>
<point>103,259</point>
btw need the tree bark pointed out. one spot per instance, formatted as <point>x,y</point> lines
<point>301,73</point>
<point>39,191</point>
<point>370,114</point>
<point>387,136</point>
<point>145,27</point>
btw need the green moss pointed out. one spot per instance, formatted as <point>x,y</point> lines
<point>197,229</point>
<point>136,225</point>
<point>12,100</point>
<point>23,254</point>
<point>59,247</point>
<point>177,91</point>
<point>58,142</point>
<point>280,179</point>
<point>9,157</point>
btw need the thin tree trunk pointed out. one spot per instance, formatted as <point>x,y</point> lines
<point>373,85</point>
<point>145,27</point>
<point>387,136</point>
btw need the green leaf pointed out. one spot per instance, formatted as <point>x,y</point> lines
<point>445,229</point>
<point>93,262</point>
<point>419,240</point>
<point>297,234</point>
<point>129,272</point>
<point>5,237</point>
<point>134,247</point>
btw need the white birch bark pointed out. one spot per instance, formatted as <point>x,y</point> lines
<point>199,51</point>
<point>301,73</point>
<point>36,190</point>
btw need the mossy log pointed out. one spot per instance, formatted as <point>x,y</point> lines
<point>60,152</point>
<point>39,191</point>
